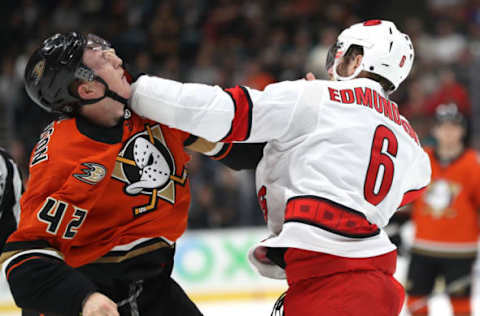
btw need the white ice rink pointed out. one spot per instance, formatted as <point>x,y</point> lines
<point>439,307</point>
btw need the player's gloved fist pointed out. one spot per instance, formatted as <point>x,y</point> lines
<point>98,304</point>
<point>310,76</point>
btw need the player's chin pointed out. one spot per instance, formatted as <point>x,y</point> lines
<point>117,117</point>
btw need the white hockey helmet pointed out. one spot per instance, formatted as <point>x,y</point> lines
<point>386,51</point>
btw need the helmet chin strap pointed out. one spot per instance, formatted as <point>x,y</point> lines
<point>338,77</point>
<point>112,95</point>
<point>109,93</point>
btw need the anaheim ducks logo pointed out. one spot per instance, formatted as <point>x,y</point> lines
<point>439,198</point>
<point>37,71</point>
<point>146,165</point>
<point>92,174</point>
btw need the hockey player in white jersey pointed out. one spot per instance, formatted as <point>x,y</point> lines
<point>339,161</point>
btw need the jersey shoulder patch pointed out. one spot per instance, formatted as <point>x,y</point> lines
<point>92,174</point>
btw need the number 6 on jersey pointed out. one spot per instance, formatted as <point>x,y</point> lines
<point>377,159</point>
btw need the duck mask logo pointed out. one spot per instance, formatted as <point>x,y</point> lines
<point>147,167</point>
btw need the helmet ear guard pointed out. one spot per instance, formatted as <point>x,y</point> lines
<point>84,73</point>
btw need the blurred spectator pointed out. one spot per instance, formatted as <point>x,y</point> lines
<point>447,8</point>
<point>448,91</point>
<point>422,41</point>
<point>255,77</point>
<point>164,31</point>
<point>205,69</point>
<point>315,61</point>
<point>414,108</point>
<point>65,17</point>
<point>447,44</point>
<point>221,197</point>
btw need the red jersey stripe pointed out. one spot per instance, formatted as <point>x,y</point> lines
<point>242,120</point>
<point>412,195</point>
<point>20,263</point>
<point>224,154</point>
<point>329,216</point>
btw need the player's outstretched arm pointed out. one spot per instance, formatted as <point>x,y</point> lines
<point>237,114</point>
<point>310,76</point>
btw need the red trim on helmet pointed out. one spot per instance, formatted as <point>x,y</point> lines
<point>372,22</point>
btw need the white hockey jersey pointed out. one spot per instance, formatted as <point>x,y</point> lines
<point>339,161</point>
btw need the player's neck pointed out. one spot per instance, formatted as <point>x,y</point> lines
<point>450,152</point>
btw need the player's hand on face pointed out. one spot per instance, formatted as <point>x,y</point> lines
<point>98,304</point>
<point>310,76</point>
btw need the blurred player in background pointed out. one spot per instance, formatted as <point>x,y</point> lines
<point>108,192</point>
<point>339,161</point>
<point>446,218</point>
<point>11,189</point>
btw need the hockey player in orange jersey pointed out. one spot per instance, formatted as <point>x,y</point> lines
<point>108,192</point>
<point>446,217</point>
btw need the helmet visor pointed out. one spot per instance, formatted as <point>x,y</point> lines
<point>332,54</point>
<point>97,43</point>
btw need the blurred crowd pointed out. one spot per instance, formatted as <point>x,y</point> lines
<point>251,42</point>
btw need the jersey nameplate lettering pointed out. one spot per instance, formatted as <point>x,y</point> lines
<point>41,149</point>
<point>373,100</point>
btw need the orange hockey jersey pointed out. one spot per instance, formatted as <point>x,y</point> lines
<point>446,217</point>
<point>90,189</point>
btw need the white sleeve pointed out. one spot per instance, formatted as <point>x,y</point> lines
<point>274,109</point>
<point>423,170</point>
<point>236,114</point>
<point>199,109</point>
<point>418,179</point>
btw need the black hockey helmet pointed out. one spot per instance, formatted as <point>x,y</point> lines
<point>449,113</point>
<point>56,65</point>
